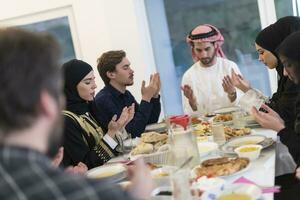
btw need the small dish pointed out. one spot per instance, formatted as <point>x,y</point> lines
<point>205,148</point>
<point>234,192</point>
<point>111,172</point>
<point>249,151</point>
<point>162,172</point>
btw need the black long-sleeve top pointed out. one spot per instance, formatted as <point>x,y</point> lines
<point>109,101</point>
<point>85,144</point>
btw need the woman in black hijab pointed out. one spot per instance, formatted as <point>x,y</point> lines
<point>283,101</point>
<point>84,140</point>
<point>289,54</point>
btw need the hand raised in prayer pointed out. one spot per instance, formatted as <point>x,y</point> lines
<point>148,92</point>
<point>80,168</point>
<point>116,125</point>
<point>58,157</point>
<point>270,120</point>
<point>131,112</point>
<point>189,94</point>
<point>158,86</point>
<point>239,82</point>
<point>140,176</point>
<point>228,85</point>
<point>298,173</point>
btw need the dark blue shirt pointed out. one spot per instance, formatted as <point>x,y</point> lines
<point>110,101</point>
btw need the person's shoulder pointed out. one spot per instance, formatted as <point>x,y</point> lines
<point>190,70</point>
<point>103,95</point>
<point>226,62</point>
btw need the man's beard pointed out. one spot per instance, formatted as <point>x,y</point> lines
<point>55,138</point>
<point>208,60</point>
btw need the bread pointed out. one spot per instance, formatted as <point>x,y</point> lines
<point>142,148</point>
<point>159,144</point>
<point>153,137</point>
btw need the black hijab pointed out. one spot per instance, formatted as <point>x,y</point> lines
<point>74,71</point>
<point>283,101</point>
<point>271,37</point>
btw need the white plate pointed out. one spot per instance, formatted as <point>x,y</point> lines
<point>226,110</point>
<point>111,172</point>
<point>159,127</point>
<point>166,170</point>
<point>229,146</point>
<point>194,175</point>
<point>205,148</point>
<point>253,191</point>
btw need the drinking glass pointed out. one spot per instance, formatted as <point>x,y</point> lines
<point>218,133</point>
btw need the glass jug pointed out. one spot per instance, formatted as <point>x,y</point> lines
<point>183,141</point>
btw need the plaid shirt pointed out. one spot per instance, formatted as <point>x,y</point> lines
<point>27,174</point>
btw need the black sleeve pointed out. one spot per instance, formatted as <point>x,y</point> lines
<point>77,150</point>
<point>141,117</point>
<point>156,109</point>
<point>292,140</point>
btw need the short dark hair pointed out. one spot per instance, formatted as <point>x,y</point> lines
<point>28,66</point>
<point>107,63</point>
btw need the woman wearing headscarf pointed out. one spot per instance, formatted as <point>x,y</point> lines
<point>283,101</point>
<point>288,52</point>
<point>84,140</point>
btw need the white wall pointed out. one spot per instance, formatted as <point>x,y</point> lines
<point>97,26</point>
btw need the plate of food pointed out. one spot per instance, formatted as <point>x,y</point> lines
<point>221,167</point>
<point>153,148</point>
<point>230,145</point>
<point>225,119</point>
<point>111,172</point>
<point>226,110</point>
<point>240,191</point>
<point>158,127</point>
<point>231,132</point>
<point>202,129</point>
<point>163,171</point>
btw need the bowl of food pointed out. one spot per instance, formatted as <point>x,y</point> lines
<point>249,151</point>
<point>111,172</point>
<point>234,192</point>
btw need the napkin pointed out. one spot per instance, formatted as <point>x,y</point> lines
<point>271,189</point>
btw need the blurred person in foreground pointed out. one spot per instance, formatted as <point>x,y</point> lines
<point>31,127</point>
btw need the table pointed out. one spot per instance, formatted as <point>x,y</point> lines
<point>262,170</point>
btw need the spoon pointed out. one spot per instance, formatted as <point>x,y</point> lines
<point>187,161</point>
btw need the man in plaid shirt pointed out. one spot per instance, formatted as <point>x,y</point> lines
<point>30,127</point>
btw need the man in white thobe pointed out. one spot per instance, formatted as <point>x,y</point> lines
<point>206,85</point>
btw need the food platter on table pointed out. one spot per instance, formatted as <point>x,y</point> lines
<point>221,167</point>
<point>230,145</point>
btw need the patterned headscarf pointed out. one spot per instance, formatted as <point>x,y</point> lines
<point>206,33</point>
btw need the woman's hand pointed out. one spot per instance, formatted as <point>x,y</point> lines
<point>270,120</point>
<point>116,125</point>
<point>80,168</point>
<point>58,157</point>
<point>298,173</point>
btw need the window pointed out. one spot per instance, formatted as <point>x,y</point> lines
<point>171,20</point>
